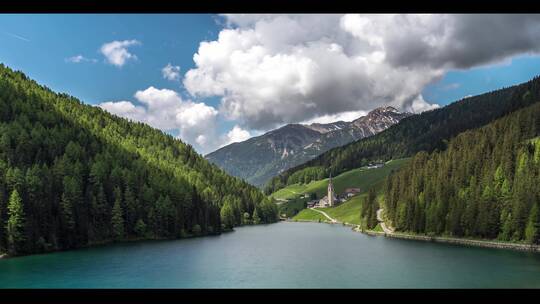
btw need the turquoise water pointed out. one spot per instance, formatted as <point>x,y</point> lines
<point>286,255</point>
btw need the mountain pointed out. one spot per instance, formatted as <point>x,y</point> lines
<point>428,131</point>
<point>260,158</point>
<point>73,175</point>
<point>484,185</point>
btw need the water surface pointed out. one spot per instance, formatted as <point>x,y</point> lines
<point>282,255</point>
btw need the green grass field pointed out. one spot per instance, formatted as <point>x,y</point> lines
<point>359,178</point>
<point>349,211</point>
<point>309,215</point>
<point>292,207</point>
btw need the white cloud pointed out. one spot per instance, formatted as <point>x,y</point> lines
<point>419,105</point>
<point>171,72</point>
<point>80,59</point>
<point>343,116</point>
<point>236,134</point>
<point>125,109</point>
<point>276,69</point>
<point>195,123</point>
<point>116,52</point>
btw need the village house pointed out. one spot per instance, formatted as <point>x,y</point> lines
<point>375,165</point>
<point>312,203</point>
<point>350,192</point>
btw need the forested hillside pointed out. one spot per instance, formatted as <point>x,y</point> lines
<point>427,131</point>
<point>73,175</point>
<point>486,184</point>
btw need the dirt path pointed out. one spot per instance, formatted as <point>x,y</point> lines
<point>327,216</point>
<point>381,221</point>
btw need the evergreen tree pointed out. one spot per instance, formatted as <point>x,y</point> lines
<point>227,215</point>
<point>15,223</point>
<point>532,232</point>
<point>140,228</point>
<point>256,218</point>
<point>117,219</point>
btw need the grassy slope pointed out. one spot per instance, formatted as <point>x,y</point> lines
<point>349,211</point>
<point>362,178</point>
<point>309,215</point>
<point>292,207</point>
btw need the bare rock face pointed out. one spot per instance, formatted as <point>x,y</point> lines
<point>260,158</point>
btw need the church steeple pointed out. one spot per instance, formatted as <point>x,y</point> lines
<point>330,192</point>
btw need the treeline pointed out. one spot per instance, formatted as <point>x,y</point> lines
<point>485,185</point>
<point>427,131</point>
<point>73,175</point>
<point>303,176</point>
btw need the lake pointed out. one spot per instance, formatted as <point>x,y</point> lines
<point>282,255</point>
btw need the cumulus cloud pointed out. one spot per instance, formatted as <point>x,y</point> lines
<point>116,52</point>
<point>164,109</point>
<point>80,59</point>
<point>171,72</point>
<point>236,134</point>
<point>125,109</point>
<point>274,69</point>
<point>419,105</point>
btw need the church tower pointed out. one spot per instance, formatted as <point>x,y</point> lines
<point>330,192</point>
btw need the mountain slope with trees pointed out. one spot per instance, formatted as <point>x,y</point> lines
<point>428,131</point>
<point>484,185</point>
<point>73,175</point>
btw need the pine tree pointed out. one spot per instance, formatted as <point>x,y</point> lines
<point>140,228</point>
<point>117,220</point>
<point>369,210</point>
<point>15,223</point>
<point>130,209</point>
<point>532,232</point>
<point>70,196</point>
<point>256,218</point>
<point>227,215</point>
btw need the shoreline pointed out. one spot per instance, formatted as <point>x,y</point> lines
<point>127,240</point>
<point>440,239</point>
<point>456,241</point>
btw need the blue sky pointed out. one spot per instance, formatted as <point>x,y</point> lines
<point>41,45</point>
<point>47,40</point>
<point>460,83</point>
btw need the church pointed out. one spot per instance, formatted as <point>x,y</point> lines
<point>330,199</point>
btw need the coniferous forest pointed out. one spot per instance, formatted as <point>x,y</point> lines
<point>484,185</point>
<point>73,175</point>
